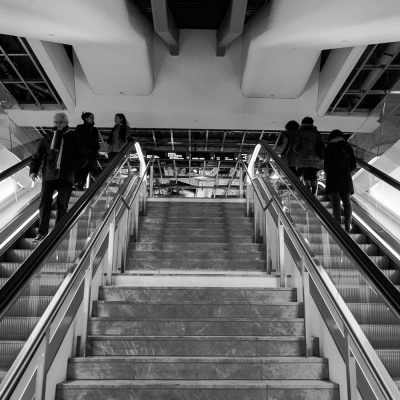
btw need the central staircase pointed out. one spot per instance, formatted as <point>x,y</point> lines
<point>196,317</point>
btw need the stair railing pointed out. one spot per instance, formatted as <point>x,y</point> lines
<point>287,247</point>
<point>63,325</point>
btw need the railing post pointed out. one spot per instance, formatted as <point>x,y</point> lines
<point>86,305</point>
<point>110,252</point>
<point>151,181</point>
<point>306,306</point>
<point>281,252</point>
<point>41,374</point>
<point>351,372</point>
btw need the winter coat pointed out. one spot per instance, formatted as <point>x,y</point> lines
<point>339,162</point>
<point>288,154</point>
<point>118,138</point>
<point>72,159</point>
<point>88,139</point>
<point>309,148</point>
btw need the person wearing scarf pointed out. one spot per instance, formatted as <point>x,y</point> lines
<point>59,157</point>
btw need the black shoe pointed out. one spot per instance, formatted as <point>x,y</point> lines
<point>39,237</point>
<point>348,227</point>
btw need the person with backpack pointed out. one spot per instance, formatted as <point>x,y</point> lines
<point>287,142</point>
<point>339,162</point>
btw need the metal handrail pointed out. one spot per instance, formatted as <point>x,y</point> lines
<point>17,282</point>
<point>363,263</point>
<point>15,168</point>
<point>332,227</point>
<point>50,314</point>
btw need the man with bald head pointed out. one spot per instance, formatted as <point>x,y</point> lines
<point>59,157</point>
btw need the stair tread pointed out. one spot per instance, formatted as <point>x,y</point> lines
<point>228,384</point>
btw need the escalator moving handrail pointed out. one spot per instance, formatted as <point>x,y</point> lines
<point>16,283</point>
<point>379,174</point>
<point>364,263</point>
<point>15,168</point>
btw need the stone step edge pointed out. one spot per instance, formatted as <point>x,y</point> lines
<point>203,384</point>
<point>199,359</point>
<point>293,338</point>
<point>195,288</point>
<point>203,272</point>
<point>196,302</point>
<point>199,319</point>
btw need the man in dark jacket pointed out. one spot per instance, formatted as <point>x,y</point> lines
<point>338,164</point>
<point>59,156</point>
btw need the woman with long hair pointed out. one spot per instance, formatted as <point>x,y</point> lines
<point>118,136</point>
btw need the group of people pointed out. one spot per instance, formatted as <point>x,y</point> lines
<point>66,156</point>
<point>305,152</point>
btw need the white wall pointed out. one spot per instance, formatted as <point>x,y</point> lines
<point>197,89</point>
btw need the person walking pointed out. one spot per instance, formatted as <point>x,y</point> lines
<point>339,163</point>
<point>118,136</point>
<point>88,138</point>
<point>309,151</point>
<point>59,157</point>
<point>287,141</point>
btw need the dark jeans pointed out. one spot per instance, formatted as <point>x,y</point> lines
<point>64,189</point>
<point>335,199</point>
<point>81,175</point>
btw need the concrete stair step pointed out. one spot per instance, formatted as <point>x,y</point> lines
<point>194,264</point>
<point>209,238</point>
<point>188,295</point>
<point>190,220</point>
<point>168,246</point>
<point>154,255</point>
<point>197,368</point>
<point>201,390</point>
<point>215,230</point>
<point>119,309</point>
<point>240,346</point>
<point>196,327</point>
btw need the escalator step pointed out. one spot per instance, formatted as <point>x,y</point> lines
<point>20,255</point>
<point>17,328</point>
<point>29,243</point>
<point>360,293</point>
<point>330,249</point>
<point>40,286</point>
<point>330,262</point>
<point>353,276</point>
<point>391,360</point>
<point>9,350</point>
<point>32,306</point>
<point>383,336</point>
<point>52,269</point>
<point>372,313</point>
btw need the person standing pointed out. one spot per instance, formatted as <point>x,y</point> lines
<point>339,163</point>
<point>289,138</point>
<point>59,157</point>
<point>118,136</point>
<point>309,151</point>
<point>88,138</point>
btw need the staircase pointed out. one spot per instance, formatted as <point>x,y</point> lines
<point>380,326</point>
<point>195,316</point>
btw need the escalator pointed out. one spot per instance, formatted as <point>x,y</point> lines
<point>20,319</point>
<point>373,312</point>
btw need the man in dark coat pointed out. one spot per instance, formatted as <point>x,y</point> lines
<point>60,157</point>
<point>339,163</point>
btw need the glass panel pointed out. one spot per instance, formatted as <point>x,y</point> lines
<point>380,325</point>
<point>21,318</point>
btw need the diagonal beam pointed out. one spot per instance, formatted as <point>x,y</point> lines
<point>164,25</point>
<point>231,26</point>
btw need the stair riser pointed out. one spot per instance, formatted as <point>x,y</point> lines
<point>211,295</point>
<point>199,239</point>
<point>188,255</point>
<point>180,347</point>
<point>217,265</point>
<point>239,247</point>
<point>127,310</point>
<point>193,328</point>
<point>235,369</point>
<point>151,393</point>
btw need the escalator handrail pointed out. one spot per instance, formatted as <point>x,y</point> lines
<point>18,280</point>
<point>15,168</point>
<point>364,264</point>
<point>379,174</point>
